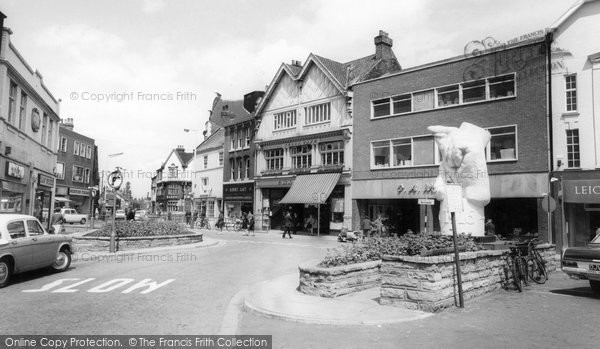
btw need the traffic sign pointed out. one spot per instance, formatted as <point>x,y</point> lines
<point>548,203</point>
<point>115,179</point>
<point>454,197</point>
<point>426,201</point>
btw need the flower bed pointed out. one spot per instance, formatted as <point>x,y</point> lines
<point>127,229</point>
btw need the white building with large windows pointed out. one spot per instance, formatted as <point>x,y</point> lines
<point>304,138</point>
<point>576,122</point>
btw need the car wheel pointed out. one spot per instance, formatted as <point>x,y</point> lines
<point>62,261</point>
<point>82,221</point>
<point>5,272</point>
<point>595,284</point>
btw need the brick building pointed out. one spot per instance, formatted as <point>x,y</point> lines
<point>396,159</point>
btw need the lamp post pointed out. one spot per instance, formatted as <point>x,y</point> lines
<point>564,226</point>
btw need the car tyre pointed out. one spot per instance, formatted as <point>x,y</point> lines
<point>595,284</point>
<point>5,272</point>
<point>62,261</point>
<point>82,221</point>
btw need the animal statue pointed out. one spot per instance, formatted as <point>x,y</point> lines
<point>463,162</point>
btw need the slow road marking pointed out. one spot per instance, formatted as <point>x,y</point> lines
<point>72,285</point>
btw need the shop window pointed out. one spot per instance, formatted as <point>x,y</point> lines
<point>381,154</point>
<point>447,95</point>
<point>503,143</point>
<point>573,160</point>
<point>317,113</point>
<point>12,101</point>
<point>301,156</point>
<point>284,120</point>
<point>381,107</point>
<point>571,92</point>
<point>332,153</point>
<point>473,91</point>
<point>78,174</point>
<point>22,110</point>
<point>502,86</point>
<point>210,208</point>
<point>274,159</point>
<point>10,202</point>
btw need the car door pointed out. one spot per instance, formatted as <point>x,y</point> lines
<point>20,245</point>
<point>43,245</point>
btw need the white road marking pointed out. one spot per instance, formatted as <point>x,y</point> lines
<point>148,285</point>
<point>110,285</point>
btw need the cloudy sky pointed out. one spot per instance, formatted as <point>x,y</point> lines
<point>186,50</point>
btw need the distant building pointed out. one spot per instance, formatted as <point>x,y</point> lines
<point>174,182</point>
<point>76,169</point>
<point>29,118</point>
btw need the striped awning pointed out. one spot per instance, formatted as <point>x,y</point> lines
<point>311,189</point>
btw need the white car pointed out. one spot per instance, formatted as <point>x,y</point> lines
<point>25,245</point>
<point>71,216</point>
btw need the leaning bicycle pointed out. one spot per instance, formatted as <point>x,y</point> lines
<point>518,265</point>
<point>204,224</point>
<point>536,268</point>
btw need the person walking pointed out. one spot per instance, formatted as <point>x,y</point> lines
<point>188,217</point>
<point>287,223</point>
<point>250,218</point>
<point>245,223</point>
<point>366,226</point>
<point>194,218</point>
<point>220,222</point>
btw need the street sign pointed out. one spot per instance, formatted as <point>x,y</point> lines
<point>115,179</point>
<point>454,197</point>
<point>548,203</point>
<point>426,201</point>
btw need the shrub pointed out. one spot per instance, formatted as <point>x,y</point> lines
<point>405,245</point>
<point>141,228</point>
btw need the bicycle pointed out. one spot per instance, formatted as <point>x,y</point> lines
<point>233,224</point>
<point>518,266</point>
<point>535,263</point>
<point>204,224</point>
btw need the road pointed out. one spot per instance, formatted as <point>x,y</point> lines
<point>190,291</point>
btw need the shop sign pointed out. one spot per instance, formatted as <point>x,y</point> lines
<point>46,181</point>
<point>78,191</point>
<point>15,170</point>
<point>415,189</point>
<point>582,191</point>
<point>242,191</point>
<point>275,183</point>
<point>426,202</point>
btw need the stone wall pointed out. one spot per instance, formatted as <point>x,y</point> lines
<point>89,243</point>
<point>337,281</point>
<point>429,283</point>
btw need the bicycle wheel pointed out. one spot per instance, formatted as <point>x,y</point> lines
<point>537,271</point>
<point>515,272</point>
<point>523,269</point>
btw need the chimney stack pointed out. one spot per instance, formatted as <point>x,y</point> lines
<point>383,46</point>
<point>67,123</point>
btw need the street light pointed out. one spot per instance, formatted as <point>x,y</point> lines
<point>564,226</point>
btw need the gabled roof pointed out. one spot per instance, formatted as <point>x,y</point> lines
<point>562,19</point>
<point>229,112</point>
<point>215,140</point>
<point>184,158</point>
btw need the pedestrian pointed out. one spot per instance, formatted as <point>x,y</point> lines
<point>188,217</point>
<point>169,215</point>
<point>295,223</point>
<point>490,228</point>
<point>366,226</point>
<point>130,214</point>
<point>250,223</point>
<point>194,218</point>
<point>220,222</point>
<point>310,224</point>
<point>56,221</point>
<point>378,224</point>
<point>287,224</point>
<point>244,223</point>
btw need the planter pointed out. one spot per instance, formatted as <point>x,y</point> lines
<point>337,281</point>
<point>94,243</point>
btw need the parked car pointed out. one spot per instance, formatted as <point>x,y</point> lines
<point>120,214</point>
<point>71,216</point>
<point>141,215</point>
<point>25,245</point>
<point>584,263</point>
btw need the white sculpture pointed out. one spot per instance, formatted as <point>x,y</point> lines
<point>463,162</point>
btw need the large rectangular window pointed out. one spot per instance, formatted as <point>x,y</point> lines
<point>232,169</point>
<point>317,113</point>
<point>402,104</point>
<point>88,152</point>
<point>87,175</point>
<point>240,137</point>
<point>423,100</point>
<point>473,91</point>
<point>571,92</point>
<point>240,168</point>
<point>284,120</point>
<point>381,107</point>
<point>12,102</point>
<point>404,152</point>
<point>75,147</point>
<point>502,86</point>
<point>247,131</point>
<point>274,159</point>
<point>447,95</point>
<point>381,154</point>
<point>503,144</point>
<point>332,153</point>
<point>573,148</point>
<point>22,111</point>
<point>301,156</point>
<point>78,174</point>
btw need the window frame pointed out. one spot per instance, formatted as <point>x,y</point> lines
<point>571,93</point>
<point>317,114</point>
<point>324,152</point>
<point>288,120</point>
<point>391,153</point>
<point>573,157</point>
<point>488,151</point>
<point>74,173</point>
<point>75,147</point>
<point>272,157</point>
<point>13,91</point>
<point>60,174</point>
<point>221,158</point>
<point>304,156</point>
<point>23,110</point>
<point>205,162</point>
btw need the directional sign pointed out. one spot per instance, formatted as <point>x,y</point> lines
<point>426,202</point>
<point>115,179</point>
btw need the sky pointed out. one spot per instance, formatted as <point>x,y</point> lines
<point>134,74</point>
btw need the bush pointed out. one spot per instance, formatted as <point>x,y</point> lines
<point>405,245</point>
<point>141,228</point>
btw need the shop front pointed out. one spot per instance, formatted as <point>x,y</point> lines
<point>238,198</point>
<point>80,199</point>
<point>12,188</point>
<point>581,208</point>
<point>270,191</point>
<point>43,198</point>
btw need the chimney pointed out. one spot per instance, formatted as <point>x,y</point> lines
<point>296,63</point>
<point>383,46</point>
<point>180,147</point>
<point>67,123</point>
<point>252,99</point>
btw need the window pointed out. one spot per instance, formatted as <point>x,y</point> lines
<point>232,167</point>
<point>173,171</point>
<point>240,138</point>
<point>473,91</point>
<point>284,120</point>
<point>34,228</point>
<point>174,190</point>
<point>220,158</point>
<point>502,86</point>
<point>240,171</point>
<point>447,95</point>
<point>423,100</point>
<point>301,156</point>
<point>22,110</point>
<point>210,208</point>
<point>88,152</point>
<point>402,149</point>
<point>82,150</point>
<point>571,92</point>
<point>317,113</point>
<point>233,139</point>
<point>503,143</point>
<point>63,144</point>
<point>332,153</point>
<point>50,134</point>
<point>60,170</point>
<point>381,154</point>
<point>205,161</point>
<point>78,174</point>
<point>12,101</point>
<point>381,107</point>
<point>75,147</point>
<point>16,229</point>
<point>424,150</point>
<point>248,168</point>
<point>247,137</point>
<point>573,148</point>
<point>87,175</point>
<point>403,152</point>
<point>274,159</point>
<point>44,128</point>
<point>402,104</point>
<point>204,181</point>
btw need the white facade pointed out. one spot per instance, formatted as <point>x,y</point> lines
<point>207,178</point>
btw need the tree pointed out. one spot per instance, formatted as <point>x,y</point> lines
<point>127,191</point>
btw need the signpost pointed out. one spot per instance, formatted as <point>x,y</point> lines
<point>115,179</point>
<point>454,202</point>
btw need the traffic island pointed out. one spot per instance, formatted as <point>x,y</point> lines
<point>99,243</point>
<point>336,281</point>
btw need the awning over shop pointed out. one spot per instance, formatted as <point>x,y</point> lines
<point>311,189</point>
<point>62,199</point>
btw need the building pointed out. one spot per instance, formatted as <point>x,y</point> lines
<point>174,182</point>
<point>304,138</point>
<point>29,118</point>
<point>576,123</point>
<point>396,161</point>
<point>238,122</point>
<point>207,179</point>
<point>76,169</point>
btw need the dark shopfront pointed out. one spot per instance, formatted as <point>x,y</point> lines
<point>581,207</point>
<point>43,198</point>
<point>238,198</point>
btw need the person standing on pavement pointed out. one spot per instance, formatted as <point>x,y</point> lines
<point>194,218</point>
<point>287,224</point>
<point>310,224</point>
<point>220,222</point>
<point>250,223</point>
<point>366,226</point>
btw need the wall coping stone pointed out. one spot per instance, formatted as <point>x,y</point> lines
<point>138,238</point>
<point>341,269</point>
